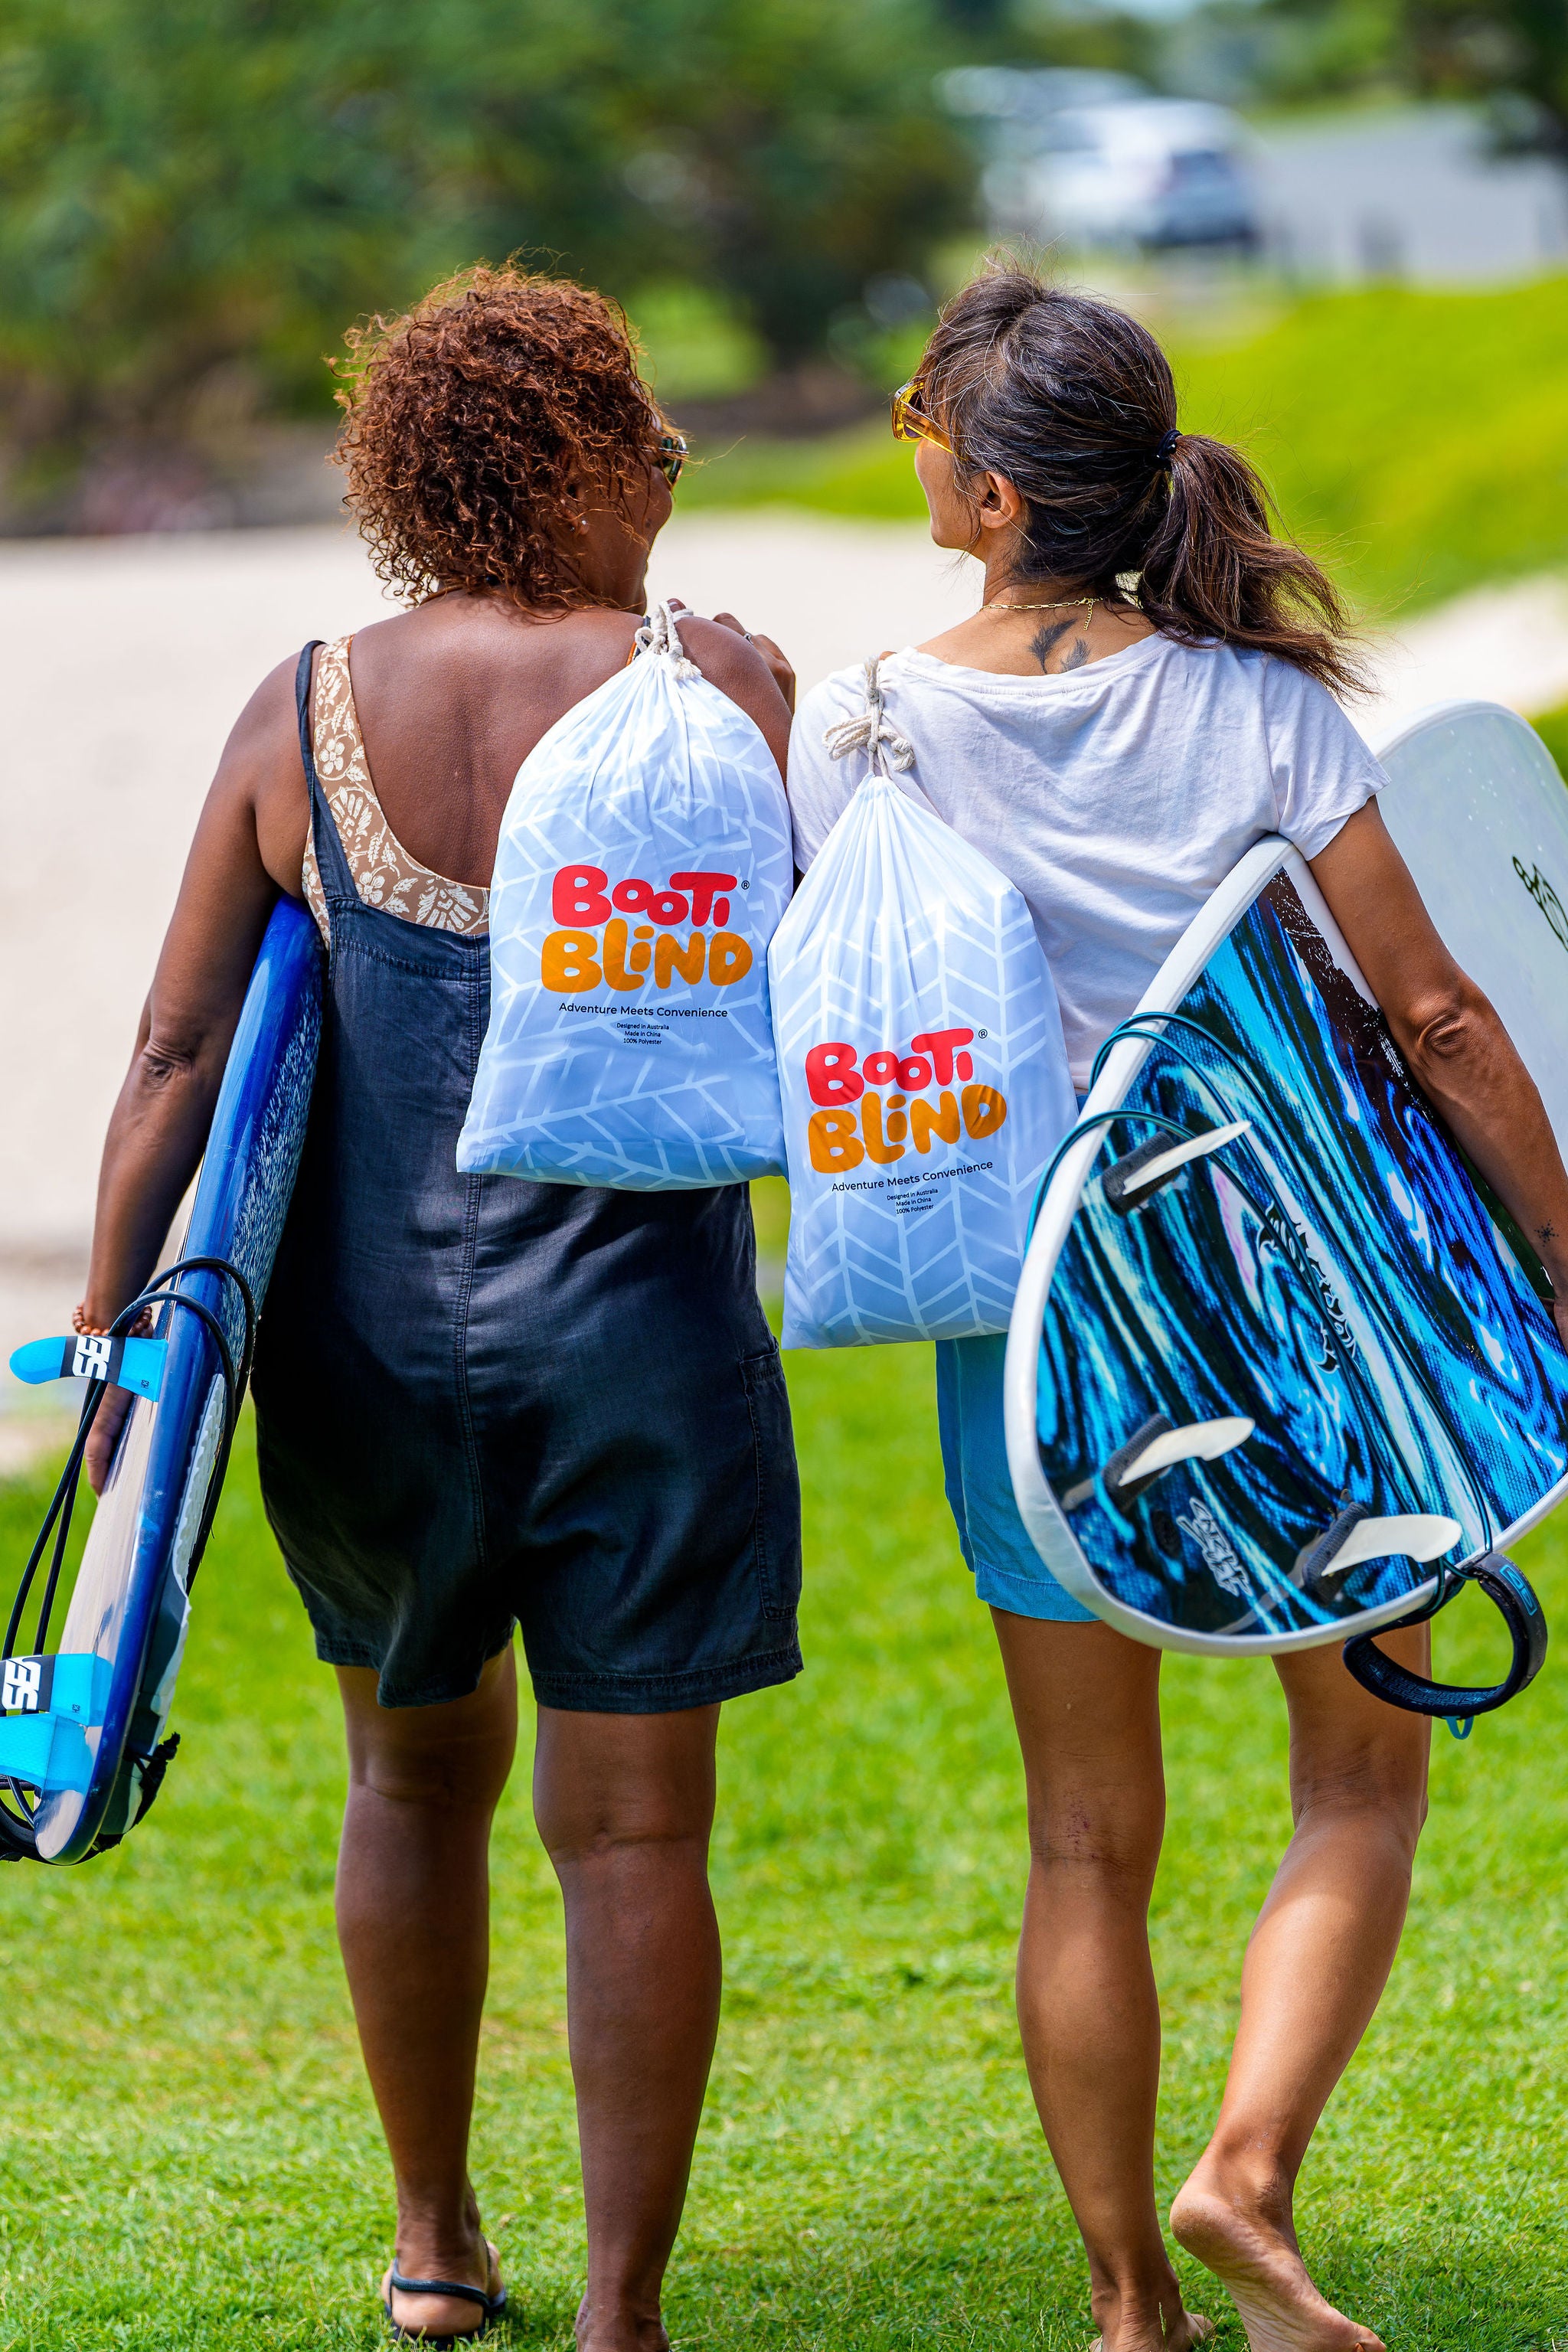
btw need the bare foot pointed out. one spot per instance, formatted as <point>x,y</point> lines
<point>417,2315</point>
<point>1252,2252</point>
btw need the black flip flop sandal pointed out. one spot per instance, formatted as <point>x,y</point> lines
<point>493,2307</point>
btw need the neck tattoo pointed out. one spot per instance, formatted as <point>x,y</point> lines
<point>1045,639</point>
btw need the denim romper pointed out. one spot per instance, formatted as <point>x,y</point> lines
<point>483,1402</point>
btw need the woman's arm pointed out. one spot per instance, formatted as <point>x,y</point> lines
<point>1456,1047</point>
<point>252,825</point>
<point>749,668</point>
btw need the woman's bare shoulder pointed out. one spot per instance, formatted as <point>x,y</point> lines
<point>262,768</point>
<point>492,629</point>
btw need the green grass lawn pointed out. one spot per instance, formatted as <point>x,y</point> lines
<point>189,2156</point>
<point>1418,442</point>
<point>1551,725</point>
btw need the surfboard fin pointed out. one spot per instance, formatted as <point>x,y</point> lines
<point>1155,1448</point>
<point>1355,1536</point>
<point>136,1364</point>
<point>47,1705</point>
<point>1128,1183</point>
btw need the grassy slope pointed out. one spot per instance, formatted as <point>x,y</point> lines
<point>1418,441</point>
<point>189,2157</point>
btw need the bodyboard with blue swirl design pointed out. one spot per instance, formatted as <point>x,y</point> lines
<point>129,1605</point>
<point>1323,1287</point>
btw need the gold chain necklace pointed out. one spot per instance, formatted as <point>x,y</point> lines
<point>1067,605</point>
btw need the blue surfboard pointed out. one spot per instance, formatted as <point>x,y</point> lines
<point>1274,1371</point>
<point>95,1711</point>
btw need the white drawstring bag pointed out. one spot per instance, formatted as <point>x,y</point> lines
<point>643,865</point>
<point>924,1079</point>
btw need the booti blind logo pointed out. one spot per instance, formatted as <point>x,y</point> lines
<point>857,1122</point>
<point>596,946</point>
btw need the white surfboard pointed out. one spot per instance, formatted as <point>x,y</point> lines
<point>1479,814</point>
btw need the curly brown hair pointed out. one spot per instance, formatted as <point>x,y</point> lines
<point>470,418</point>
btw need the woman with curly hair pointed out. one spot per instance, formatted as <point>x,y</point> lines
<point>457,1432</point>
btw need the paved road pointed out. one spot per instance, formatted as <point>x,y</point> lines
<point>128,659</point>
<point>1413,196</point>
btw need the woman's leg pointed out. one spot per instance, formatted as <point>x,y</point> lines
<point>1315,1968</point>
<point>413,1923</point>
<point>625,1805</point>
<point>1087,1705</point>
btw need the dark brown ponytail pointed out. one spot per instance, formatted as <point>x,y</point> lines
<point>1074,402</point>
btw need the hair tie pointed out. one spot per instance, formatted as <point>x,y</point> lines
<point>1167,448</point>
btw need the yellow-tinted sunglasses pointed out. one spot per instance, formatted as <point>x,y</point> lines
<point>911,422</point>
<point>672,455</point>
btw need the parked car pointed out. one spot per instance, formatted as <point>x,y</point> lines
<point>1153,172</point>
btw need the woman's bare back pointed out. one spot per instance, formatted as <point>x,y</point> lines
<point>452,697</point>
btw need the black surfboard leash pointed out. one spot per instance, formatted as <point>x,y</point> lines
<point>17,1837</point>
<point>1458,1704</point>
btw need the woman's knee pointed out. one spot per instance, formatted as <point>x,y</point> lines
<point>605,1785</point>
<point>1354,1760</point>
<point>1359,1789</point>
<point>454,1757</point>
<point>1087,1705</point>
<point>1109,1834</point>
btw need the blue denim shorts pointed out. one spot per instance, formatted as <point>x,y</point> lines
<point>1008,1572</point>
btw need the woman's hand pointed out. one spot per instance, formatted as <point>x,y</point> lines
<point>1459,1050</point>
<point>783,677</point>
<point>750,670</point>
<point>114,1408</point>
<point>108,1422</point>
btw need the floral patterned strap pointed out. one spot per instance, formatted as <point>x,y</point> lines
<point>384,875</point>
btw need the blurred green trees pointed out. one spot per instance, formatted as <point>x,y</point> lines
<point>195,195</point>
<point>1510,54</point>
<point>1514,53</point>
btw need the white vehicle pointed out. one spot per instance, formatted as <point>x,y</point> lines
<point>1146,171</point>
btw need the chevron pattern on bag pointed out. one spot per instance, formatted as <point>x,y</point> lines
<point>924,1081</point>
<point>643,865</point>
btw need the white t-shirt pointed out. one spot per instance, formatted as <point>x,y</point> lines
<point>1115,797</point>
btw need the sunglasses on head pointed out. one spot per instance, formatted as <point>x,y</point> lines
<point>672,455</point>
<point>911,422</point>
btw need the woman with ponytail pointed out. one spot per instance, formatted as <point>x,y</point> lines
<point>1147,689</point>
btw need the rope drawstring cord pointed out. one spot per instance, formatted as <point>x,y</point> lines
<point>872,731</point>
<point>659,635</point>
